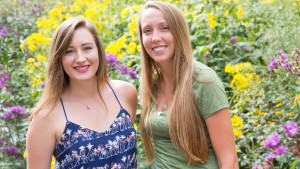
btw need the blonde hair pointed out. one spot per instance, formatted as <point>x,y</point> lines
<point>186,126</point>
<point>57,80</point>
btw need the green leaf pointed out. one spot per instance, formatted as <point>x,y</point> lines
<point>295,164</point>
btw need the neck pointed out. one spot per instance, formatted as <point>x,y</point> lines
<point>84,89</point>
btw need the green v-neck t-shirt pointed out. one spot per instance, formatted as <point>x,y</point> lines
<point>211,97</point>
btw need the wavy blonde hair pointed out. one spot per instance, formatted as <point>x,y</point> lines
<point>57,80</point>
<point>186,126</point>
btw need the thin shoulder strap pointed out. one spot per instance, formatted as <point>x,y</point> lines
<point>63,108</point>
<point>114,94</point>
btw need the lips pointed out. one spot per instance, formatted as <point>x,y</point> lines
<point>159,48</point>
<point>82,68</point>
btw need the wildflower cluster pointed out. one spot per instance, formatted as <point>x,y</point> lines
<point>123,69</point>
<point>15,112</point>
<point>291,63</point>
<point>3,31</point>
<point>273,142</point>
<point>3,78</point>
<point>11,151</point>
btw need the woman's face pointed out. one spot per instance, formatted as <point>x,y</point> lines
<point>157,37</point>
<point>81,60</point>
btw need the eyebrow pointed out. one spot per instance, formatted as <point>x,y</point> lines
<point>88,43</point>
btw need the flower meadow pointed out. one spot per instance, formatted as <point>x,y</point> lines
<point>253,45</point>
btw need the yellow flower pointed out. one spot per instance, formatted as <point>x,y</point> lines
<point>237,148</point>
<point>254,121</point>
<point>227,1</point>
<point>262,143</point>
<point>55,14</point>
<point>131,48</point>
<point>22,46</point>
<point>245,24</point>
<point>279,104</point>
<point>240,12</point>
<point>261,113</point>
<point>52,162</point>
<point>238,125</point>
<point>30,60</point>
<point>75,8</point>
<point>229,69</point>
<point>270,122</point>
<point>138,48</point>
<point>135,126</point>
<point>278,112</point>
<point>226,13</point>
<point>25,154</point>
<point>212,23</point>
<point>263,2</point>
<point>41,58</point>
<point>136,7</point>
<point>185,11</point>
<point>124,13</point>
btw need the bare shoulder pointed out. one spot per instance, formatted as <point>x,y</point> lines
<point>47,120</point>
<point>127,95</point>
<point>123,87</point>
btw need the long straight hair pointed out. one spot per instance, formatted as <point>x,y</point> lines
<point>57,80</point>
<point>186,126</point>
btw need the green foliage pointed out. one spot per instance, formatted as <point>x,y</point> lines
<point>222,34</point>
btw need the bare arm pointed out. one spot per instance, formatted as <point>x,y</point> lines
<point>40,141</point>
<point>222,138</point>
<point>132,101</point>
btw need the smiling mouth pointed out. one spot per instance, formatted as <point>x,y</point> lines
<point>81,67</point>
<point>157,49</point>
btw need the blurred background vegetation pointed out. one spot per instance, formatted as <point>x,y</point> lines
<point>236,38</point>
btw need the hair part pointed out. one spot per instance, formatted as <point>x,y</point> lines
<point>57,80</point>
<point>186,126</point>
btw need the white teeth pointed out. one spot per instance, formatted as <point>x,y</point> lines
<point>81,68</point>
<point>159,48</point>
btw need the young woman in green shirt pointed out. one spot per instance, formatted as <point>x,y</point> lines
<point>185,121</point>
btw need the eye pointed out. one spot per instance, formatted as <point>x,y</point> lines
<point>165,27</point>
<point>87,48</point>
<point>69,51</point>
<point>146,31</point>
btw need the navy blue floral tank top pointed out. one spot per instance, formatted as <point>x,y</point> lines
<point>83,148</point>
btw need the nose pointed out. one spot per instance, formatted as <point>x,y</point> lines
<point>80,57</point>
<point>156,37</point>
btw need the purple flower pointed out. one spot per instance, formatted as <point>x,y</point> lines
<point>7,116</point>
<point>18,110</point>
<point>273,64</point>
<point>112,59</point>
<point>206,55</point>
<point>291,129</point>
<point>256,167</point>
<point>11,150</point>
<point>132,73</point>
<point>122,68</point>
<point>233,39</point>
<point>15,112</point>
<point>269,157</point>
<point>1,143</point>
<point>3,31</point>
<point>287,65</point>
<point>42,84</point>
<point>3,78</point>
<point>281,150</point>
<point>279,52</point>
<point>272,141</point>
